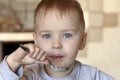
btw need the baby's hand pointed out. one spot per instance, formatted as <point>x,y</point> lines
<point>35,56</point>
<point>20,56</point>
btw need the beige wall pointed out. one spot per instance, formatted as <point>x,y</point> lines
<point>103,28</point>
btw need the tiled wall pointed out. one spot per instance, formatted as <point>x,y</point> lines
<point>24,10</point>
<point>103,28</point>
<point>102,25</point>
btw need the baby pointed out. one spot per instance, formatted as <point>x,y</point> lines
<point>59,33</point>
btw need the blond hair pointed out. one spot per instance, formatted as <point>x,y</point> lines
<point>62,6</point>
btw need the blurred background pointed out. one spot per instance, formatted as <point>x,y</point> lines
<point>102,25</point>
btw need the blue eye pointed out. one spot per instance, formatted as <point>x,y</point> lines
<point>67,35</point>
<point>46,36</point>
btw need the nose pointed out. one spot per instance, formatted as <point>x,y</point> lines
<point>57,44</point>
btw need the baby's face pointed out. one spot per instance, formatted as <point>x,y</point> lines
<point>60,37</point>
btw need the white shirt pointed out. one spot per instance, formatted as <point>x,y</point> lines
<point>37,72</point>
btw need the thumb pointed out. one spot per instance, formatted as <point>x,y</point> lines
<point>46,62</point>
<point>21,53</point>
<point>18,55</point>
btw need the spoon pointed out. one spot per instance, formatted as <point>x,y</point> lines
<point>58,69</point>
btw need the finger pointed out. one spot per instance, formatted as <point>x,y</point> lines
<point>40,55</point>
<point>46,62</point>
<point>28,60</point>
<point>36,53</point>
<point>43,57</point>
<point>31,49</point>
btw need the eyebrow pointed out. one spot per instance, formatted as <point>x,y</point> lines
<point>44,31</point>
<point>66,30</point>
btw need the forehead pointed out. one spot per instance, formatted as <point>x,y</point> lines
<point>53,18</point>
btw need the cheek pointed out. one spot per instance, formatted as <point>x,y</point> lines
<point>71,54</point>
<point>72,48</point>
<point>43,44</point>
<point>73,45</point>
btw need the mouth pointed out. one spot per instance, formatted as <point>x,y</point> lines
<point>57,58</point>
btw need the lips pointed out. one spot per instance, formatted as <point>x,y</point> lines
<point>56,59</point>
<point>56,56</point>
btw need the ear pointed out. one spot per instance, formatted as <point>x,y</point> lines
<point>35,38</point>
<point>83,41</point>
